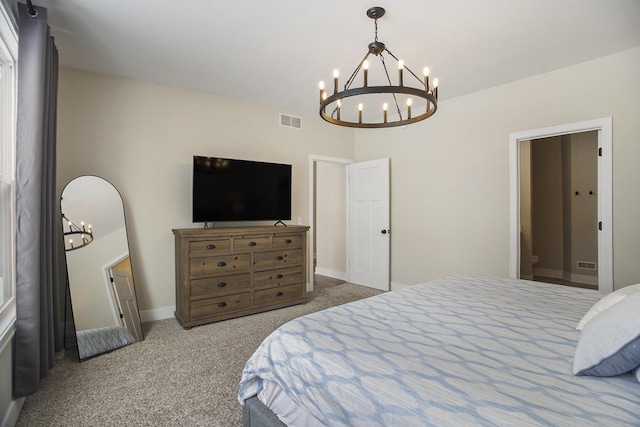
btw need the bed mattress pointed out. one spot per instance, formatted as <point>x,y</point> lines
<point>463,350</point>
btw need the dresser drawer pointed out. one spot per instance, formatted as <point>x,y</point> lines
<point>251,243</point>
<point>293,241</point>
<point>274,278</point>
<point>277,258</point>
<point>214,286</point>
<point>277,295</point>
<point>197,247</point>
<point>220,305</point>
<point>219,264</point>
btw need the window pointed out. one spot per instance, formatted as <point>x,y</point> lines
<point>8,103</point>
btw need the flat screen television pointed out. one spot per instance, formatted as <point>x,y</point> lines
<point>240,190</point>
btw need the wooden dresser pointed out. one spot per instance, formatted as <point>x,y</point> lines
<point>223,273</point>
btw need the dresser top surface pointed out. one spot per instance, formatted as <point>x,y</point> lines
<point>223,231</point>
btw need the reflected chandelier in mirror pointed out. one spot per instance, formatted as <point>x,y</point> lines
<point>101,286</point>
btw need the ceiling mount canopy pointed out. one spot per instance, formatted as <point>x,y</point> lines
<point>347,107</point>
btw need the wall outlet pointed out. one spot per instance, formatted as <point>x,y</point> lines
<point>299,220</point>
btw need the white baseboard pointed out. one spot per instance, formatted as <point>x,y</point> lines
<point>157,314</point>
<point>558,274</point>
<point>546,272</point>
<point>583,279</point>
<point>342,275</point>
<point>13,411</point>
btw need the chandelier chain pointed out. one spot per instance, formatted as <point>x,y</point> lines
<point>384,65</point>
<point>405,67</point>
<point>376,27</point>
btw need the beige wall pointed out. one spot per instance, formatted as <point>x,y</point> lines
<point>450,173</point>
<point>584,206</point>
<point>92,304</point>
<point>331,208</point>
<point>564,223</point>
<point>549,207</point>
<point>141,137</point>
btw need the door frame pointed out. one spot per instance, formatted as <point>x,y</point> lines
<point>604,127</point>
<point>313,159</point>
<point>106,268</point>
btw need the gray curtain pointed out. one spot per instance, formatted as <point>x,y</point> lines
<point>38,331</point>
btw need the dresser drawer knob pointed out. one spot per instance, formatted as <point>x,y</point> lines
<point>279,276</point>
<point>252,243</point>
<point>279,258</point>
<point>222,304</point>
<point>288,241</point>
<point>279,294</point>
<point>222,285</point>
<point>211,246</point>
<point>222,264</point>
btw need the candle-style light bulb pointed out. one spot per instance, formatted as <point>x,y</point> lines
<point>426,78</point>
<point>435,88</point>
<point>321,86</point>
<point>336,73</point>
<point>338,105</point>
<point>409,102</point>
<point>384,108</point>
<point>69,223</point>
<point>365,68</point>
<point>400,68</point>
<point>360,107</point>
<point>82,225</point>
<point>71,243</point>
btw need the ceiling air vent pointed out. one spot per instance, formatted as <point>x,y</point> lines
<point>290,121</point>
<point>586,265</point>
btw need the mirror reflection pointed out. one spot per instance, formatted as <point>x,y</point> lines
<point>101,286</point>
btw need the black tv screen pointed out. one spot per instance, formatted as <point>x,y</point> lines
<point>240,190</point>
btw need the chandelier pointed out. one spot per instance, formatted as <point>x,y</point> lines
<point>83,233</point>
<point>340,108</point>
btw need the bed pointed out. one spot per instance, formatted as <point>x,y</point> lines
<point>462,350</point>
<point>93,342</point>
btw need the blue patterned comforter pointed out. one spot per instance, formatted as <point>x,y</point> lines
<point>464,350</point>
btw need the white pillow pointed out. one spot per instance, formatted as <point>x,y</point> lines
<point>610,343</point>
<point>606,302</point>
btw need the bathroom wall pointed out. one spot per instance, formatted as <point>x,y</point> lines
<point>565,210</point>
<point>547,211</point>
<point>584,205</point>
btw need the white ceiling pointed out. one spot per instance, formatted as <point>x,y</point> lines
<point>275,52</point>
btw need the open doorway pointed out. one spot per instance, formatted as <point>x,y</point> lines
<point>559,209</point>
<point>604,224</point>
<point>328,239</point>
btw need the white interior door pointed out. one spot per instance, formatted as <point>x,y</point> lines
<point>369,224</point>
<point>123,285</point>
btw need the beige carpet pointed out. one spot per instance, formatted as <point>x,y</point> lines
<point>174,377</point>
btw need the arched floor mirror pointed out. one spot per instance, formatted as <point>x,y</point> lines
<point>101,285</point>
